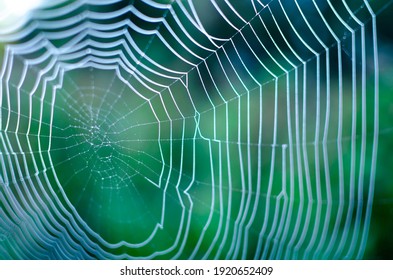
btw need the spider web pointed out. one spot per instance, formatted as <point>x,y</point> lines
<point>189,129</point>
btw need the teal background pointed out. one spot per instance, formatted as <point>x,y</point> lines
<point>185,168</point>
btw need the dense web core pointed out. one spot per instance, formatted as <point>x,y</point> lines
<point>189,129</point>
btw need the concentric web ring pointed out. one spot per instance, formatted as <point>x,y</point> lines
<point>189,129</point>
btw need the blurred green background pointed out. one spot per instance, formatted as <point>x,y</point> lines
<point>123,154</point>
